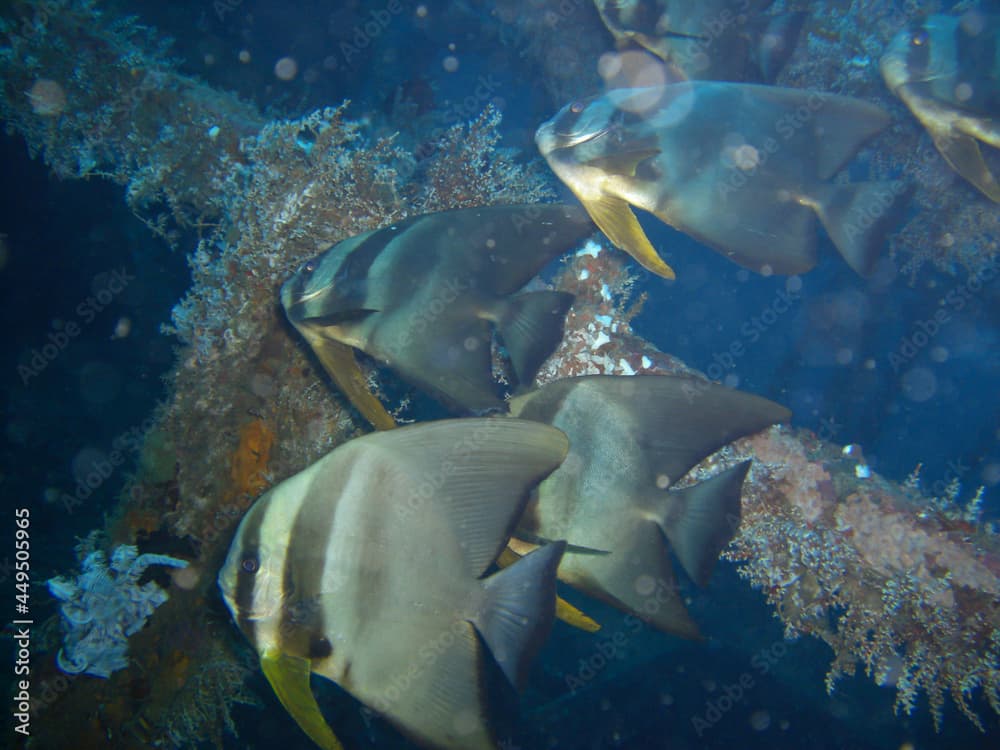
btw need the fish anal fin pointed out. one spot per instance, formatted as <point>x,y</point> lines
<point>963,154</point>
<point>289,678</point>
<point>531,325</point>
<point>341,365</point>
<point>701,519</point>
<point>614,217</point>
<point>859,216</point>
<point>519,609</point>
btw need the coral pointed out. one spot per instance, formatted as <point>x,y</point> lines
<point>250,459</point>
<point>103,606</point>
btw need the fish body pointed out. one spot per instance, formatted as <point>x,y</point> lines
<point>631,440</point>
<point>947,72</point>
<point>366,568</point>
<point>742,168</point>
<point>722,40</point>
<point>425,295</point>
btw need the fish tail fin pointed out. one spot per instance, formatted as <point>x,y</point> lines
<point>519,611</point>
<point>776,39</point>
<point>700,520</point>
<point>858,217</point>
<point>531,326</point>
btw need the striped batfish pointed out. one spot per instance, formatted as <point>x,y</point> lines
<point>631,440</point>
<point>424,296</point>
<point>742,168</point>
<point>367,568</point>
<point>946,69</point>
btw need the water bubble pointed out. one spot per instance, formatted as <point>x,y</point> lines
<point>645,585</point>
<point>263,385</point>
<point>667,699</point>
<point>47,98</point>
<point>286,69</point>
<point>793,284</point>
<point>940,354</point>
<point>919,384</point>
<point>244,56</point>
<point>85,467</point>
<point>845,356</point>
<point>450,64</point>
<point>760,720</point>
<point>662,481</point>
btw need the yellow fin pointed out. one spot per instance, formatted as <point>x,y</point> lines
<point>574,617</point>
<point>339,361</point>
<point>289,677</point>
<point>614,217</point>
<point>963,154</point>
<point>564,610</point>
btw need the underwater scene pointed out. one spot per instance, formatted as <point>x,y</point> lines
<point>511,375</point>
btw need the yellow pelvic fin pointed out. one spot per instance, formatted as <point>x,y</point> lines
<point>564,610</point>
<point>339,361</point>
<point>614,217</point>
<point>289,677</point>
<point>963,154</point>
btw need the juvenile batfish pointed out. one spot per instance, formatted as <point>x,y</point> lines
<point>367,568</point>
<point>947,71</point>
<point>631,439</point>
<point>423,296</point>
<point>722,40</point>
<point>742,168</point>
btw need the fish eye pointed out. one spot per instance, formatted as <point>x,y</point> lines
<point>309,267</point>
<point>250,564</point>
<point>919,38</point>
<point>576,108</point>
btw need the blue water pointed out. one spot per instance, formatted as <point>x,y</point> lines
<point>939,409</point>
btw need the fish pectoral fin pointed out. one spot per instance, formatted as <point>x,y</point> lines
<point>519,609</point>
<point>625,163</point>
<point>565,611</point>
<point>963,154</point>
<point>614,217</point>
<point>340,317</point>
<point>340,364</point>
<point>700,520</point>
<point>289,678</point>
<point>531,326</point>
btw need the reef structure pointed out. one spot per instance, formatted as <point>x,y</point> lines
<point>92,95</point>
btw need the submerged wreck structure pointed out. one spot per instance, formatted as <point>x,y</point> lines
<point>907,588</point>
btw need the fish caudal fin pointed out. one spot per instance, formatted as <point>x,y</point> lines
<point>700,520</point>
<point>531,326</point>
<point>289,678</point>
<point>519,610</point>
<point>776,40</point>
<point>963,154</point>
<point>858,217</point>
<point>615,218</point>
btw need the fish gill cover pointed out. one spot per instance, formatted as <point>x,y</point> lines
<point>900,577</point>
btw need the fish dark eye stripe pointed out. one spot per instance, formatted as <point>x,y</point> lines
<point>246,581</point>
<point>358,263</point>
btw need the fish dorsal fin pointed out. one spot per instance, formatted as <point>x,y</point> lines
<point>519,609</point>
<point>339,362</point>
<point>289,678</point>
<point>478,473</point>
<point>846,124</point>
<point>700,520</point>
<point>614,217</point>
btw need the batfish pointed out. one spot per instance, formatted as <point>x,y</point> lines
<point>631,439</point>
<point>742,168</point>
<point>947,71</point>
<point>424,296</point>
<point>367,568</point>
<point>723,40</point>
